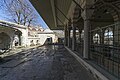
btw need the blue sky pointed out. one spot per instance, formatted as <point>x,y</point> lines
<point>40,21</point>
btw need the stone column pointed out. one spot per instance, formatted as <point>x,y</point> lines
<point>74,37</point>
<point>65,37</point>
<point>87,14</point>
<point>86,38</point>
<point>19,36</point>
<point>22,41</point>
<point>69,29</point>
<point>68,37</point>
<point>116,34</point>
<point>11,42</point>
<point>102,36</point>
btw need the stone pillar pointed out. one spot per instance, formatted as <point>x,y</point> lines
<point>20,40</point>
<point>11,42</point>
<point>69,29</point>
<point>102,36</point>
<point>65,37</point>
<point>74,37</point>
<point>68,37</point>
<point>87,14</point>
<point>116,34</point>
<point>74,25</point>
<point>86,38</point>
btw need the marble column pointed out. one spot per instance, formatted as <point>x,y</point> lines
<point>86,38</point>
<point>74,37</point>
<point>68,37</point>
<point>87,14</point>
<point>65,33</point>
<point>69,30</point>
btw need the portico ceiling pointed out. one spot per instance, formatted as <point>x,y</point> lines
<point>53,12</point>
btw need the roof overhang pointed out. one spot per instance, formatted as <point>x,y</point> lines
<point>53,12</point>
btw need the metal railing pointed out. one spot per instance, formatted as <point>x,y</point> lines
<point>106,54</point>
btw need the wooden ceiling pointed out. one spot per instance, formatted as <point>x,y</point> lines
<point>53,12</point>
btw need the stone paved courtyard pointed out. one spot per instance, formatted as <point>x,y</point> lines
<point>43,63</point>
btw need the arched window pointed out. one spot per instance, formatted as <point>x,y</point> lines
<point>108,36</point>
<point>16,40</point>
<point>31,41</point>
<point>37,41</point>
<point>77,35</point>
<point>96,39</point>
<point>82,34</point>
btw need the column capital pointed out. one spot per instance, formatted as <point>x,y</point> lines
<point>74,22</point>
<point>87,19</point>
<point>87,14</point>
<point>69,28</point>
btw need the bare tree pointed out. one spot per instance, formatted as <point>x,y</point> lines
<point>20,12</point>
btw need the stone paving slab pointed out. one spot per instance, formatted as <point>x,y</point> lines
<point>67,68</point>
<point>46,63</point>
<point>16,50</point>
